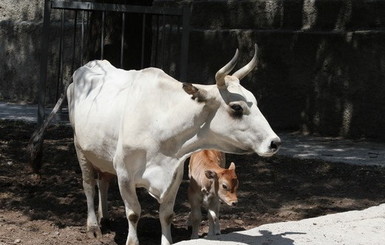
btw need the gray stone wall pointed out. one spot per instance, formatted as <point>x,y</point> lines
<point>321,62</point>
<point>20,25</point>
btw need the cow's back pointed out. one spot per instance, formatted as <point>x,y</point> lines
<point>97,100</point>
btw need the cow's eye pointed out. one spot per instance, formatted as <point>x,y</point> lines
<point>237,110</point>
<point>224,186</point>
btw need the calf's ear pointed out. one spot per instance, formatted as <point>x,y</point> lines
<point>232,166</point>
<point>210,174</point>
<point>198,94</point>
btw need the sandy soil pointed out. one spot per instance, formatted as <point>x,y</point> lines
<point>53,210</point>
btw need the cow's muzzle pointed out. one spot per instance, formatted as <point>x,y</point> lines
<point>275,144</point>
<point>270,147</point>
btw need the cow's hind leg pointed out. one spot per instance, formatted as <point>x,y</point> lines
<point>103,184</point>
<point>88,175</point>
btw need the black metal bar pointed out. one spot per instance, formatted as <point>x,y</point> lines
<point>87,33</point>
<point>178,34</point>
<point>122,40</point>
<point>179,25</point>
<point>156,42</point>
<point>143,41</point>
<point>168,48</point>
<point>43,63</point>
<point>60,65</point>
<point>74,42</point>
<point>82,40</point>
<point>102,36</point>
<point>162,42</point>
<point>58,4</point>
<point>185,43</point>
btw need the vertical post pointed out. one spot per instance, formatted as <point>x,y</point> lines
<point>61,47</point>
<point>143,40</point>
<point>155,63</point>
<point>74,42</point>
<point>43,63</point>
<point>168,56</point>
<point>185,43</point>
<point>102,37</point>
<point>82,40</point>
<point>178,35</point>
<point>122,40</point>
<point>87,34</point>
<point>163,41</point>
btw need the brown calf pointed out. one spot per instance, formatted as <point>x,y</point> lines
<point>209,183</point>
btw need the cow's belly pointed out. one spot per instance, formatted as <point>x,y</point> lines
<point>161,178</point>
<point>96,125</point>
<point>97,141</point>
<point>100,163</point>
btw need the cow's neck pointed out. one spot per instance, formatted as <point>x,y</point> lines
<point>198,140</point>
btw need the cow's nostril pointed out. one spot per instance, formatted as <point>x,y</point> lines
<point>234,204</point>
<point>275,144</point>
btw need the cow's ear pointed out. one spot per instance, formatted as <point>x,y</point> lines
<point>210,174</point>
<point>198,94</point>
<point>232,166</point>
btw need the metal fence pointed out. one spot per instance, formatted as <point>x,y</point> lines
<point>163,39</point>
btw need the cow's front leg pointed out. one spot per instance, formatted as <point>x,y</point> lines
<point>132,206</point>
<point>213,213</point>
<point>166,209</point>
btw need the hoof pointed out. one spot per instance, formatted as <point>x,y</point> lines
<point>94,232</point>
<point>194,237</point>
<point>212,235</point>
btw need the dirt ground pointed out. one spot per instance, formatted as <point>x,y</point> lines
<point>53,211</point>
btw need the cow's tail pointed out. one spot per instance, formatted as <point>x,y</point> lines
<point>35,144</point>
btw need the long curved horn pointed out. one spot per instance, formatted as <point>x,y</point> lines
<point>221,73</point>
<point>241,73</point>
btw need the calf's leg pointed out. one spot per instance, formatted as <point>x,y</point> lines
<point>213,213</point>
<point>196,214</point>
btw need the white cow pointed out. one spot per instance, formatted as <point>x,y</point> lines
<point>142,125</point>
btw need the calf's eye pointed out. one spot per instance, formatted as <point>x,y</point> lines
<point>224,186</point>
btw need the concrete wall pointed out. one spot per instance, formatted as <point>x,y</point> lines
<point>321,62</point>
<point>21,24</point>
<point>20,28</point>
